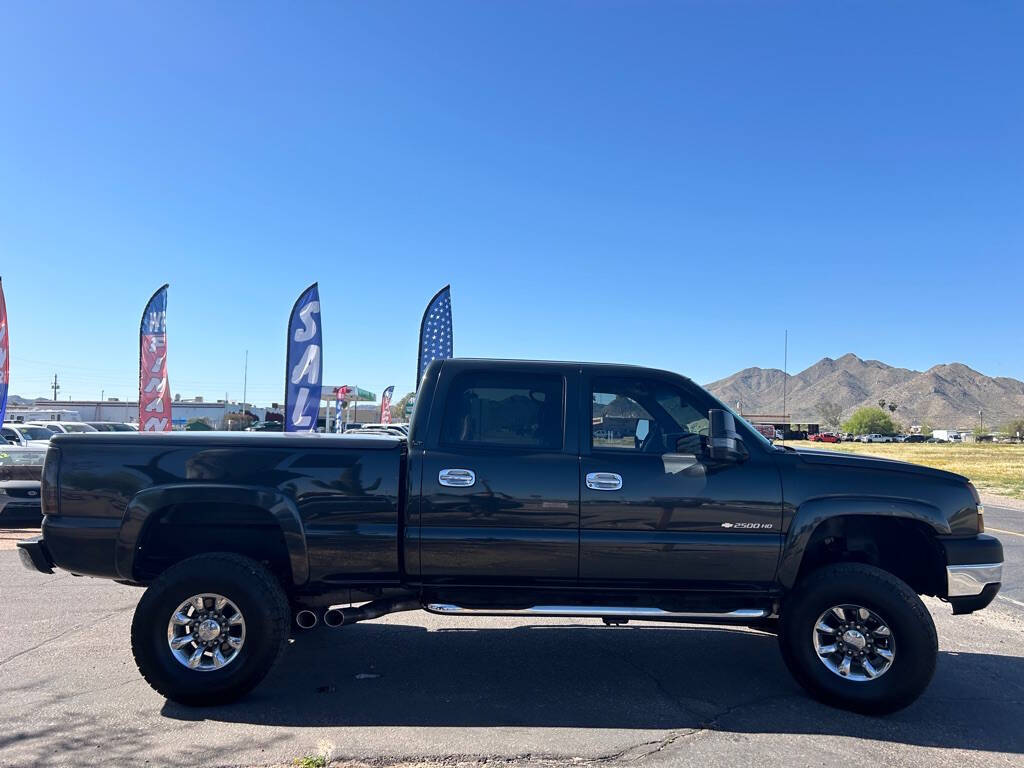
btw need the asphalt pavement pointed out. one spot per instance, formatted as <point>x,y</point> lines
<point>412,688</point>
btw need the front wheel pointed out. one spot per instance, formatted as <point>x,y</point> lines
<point>209,629</point>
<point>859,638</point>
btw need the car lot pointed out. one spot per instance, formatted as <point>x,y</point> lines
<point>414,688</point>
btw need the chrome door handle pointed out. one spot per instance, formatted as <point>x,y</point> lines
<point>457,478</point>
<point>604,481</point>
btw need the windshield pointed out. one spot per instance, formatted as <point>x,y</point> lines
<point>9,458</point>
<point>78,428</point>
<point>36,433</point>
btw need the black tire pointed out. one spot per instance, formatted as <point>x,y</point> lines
<point>916,644</point>
<point>259,597</point>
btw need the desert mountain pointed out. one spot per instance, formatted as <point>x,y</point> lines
<point>943,396</point>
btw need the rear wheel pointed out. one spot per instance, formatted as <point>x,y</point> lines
<point>209,629</point>
<point>859,638</point>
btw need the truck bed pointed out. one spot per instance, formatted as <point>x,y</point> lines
<point>326,494</point>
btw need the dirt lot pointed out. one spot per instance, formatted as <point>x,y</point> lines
<point>993,467</point>
<point>8,536</point>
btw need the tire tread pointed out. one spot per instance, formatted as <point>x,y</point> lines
<point>266,583</point>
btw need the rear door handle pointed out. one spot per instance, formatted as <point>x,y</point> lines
<point>604,481</point>
<point>457,478</point>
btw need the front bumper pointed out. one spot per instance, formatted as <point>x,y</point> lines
<point>20,504</point>
<point>974,572</point>
<point>35,556</point>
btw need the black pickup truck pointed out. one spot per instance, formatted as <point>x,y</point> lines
<point>527,489</point>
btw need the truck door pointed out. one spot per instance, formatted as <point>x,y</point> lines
<point>654,510</point>
<point>500,482</point>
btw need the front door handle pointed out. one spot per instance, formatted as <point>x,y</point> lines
<point>456,478</point>
<point>604,481</point>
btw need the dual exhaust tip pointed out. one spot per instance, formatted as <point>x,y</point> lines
<point>336,617</point>
<point>307,619</point>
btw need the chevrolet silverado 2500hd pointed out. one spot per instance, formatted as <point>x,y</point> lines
<point>528,489</point>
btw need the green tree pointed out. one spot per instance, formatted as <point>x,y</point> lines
<point>869,420</point>
<point>1014,427</point>
<point>831,414</point>
<point>398,409</point>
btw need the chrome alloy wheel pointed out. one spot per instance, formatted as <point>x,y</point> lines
<point>854,643</point>
<point>206,632</point>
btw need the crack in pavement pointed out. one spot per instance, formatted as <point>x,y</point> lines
<point>65,633</point>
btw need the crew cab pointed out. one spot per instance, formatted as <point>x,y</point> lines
<point>525,489</point>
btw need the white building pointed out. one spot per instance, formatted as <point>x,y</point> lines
<point>127,411</point>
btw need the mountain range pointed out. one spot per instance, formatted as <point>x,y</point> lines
<point>945,396</point>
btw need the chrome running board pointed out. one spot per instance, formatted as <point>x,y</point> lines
<point>600,611</point>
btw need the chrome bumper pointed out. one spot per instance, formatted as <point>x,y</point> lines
<point>970,580</point>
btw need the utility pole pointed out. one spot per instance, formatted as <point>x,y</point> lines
<point>245,380</point>
<point>56,386</point>
<point>785,375</point>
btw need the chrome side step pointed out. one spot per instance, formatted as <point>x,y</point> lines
<point>600,611</point>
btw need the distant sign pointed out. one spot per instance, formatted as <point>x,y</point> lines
<point>351,393</point>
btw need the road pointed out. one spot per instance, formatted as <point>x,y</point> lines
<point>1008,525</point>
<point>414,688</point>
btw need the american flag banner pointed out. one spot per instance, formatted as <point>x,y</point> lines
<point>154,390</point>
<point>435,332</point>
<point>385,405</point>
<point>5,366</point>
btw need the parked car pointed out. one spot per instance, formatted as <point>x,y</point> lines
<point>25,435</point>
<point>64,427</point>
<point>875,438</point>
<point>828,437</point>
<point>515,495</point>
<point>112,426</point>
<point>916,439</point>
<point>20,472</point>
<point>266,426</point>
<point>384,429</point>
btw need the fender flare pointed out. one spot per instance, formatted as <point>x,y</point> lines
<point>813,513</point>
<point>144,506</point>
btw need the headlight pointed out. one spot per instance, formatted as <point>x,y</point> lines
<point>3,492</point>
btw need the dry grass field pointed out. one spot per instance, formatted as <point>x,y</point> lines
<point>993,467</point>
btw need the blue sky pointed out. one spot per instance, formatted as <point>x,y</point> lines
<point>671,184</point>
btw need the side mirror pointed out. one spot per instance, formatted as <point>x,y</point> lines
<point>724,442</point>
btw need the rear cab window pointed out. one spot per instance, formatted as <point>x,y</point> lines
<point>524,411</point>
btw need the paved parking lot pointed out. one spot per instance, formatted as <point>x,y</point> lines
<point>415,688</point>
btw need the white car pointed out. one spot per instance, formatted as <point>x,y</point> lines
<point>875,438</point>
<point>64,427</point>
<point>25,435</point>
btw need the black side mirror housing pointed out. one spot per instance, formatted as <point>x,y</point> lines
<point>724,442</point>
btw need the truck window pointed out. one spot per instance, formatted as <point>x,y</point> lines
<point>646,416</point>
<point>507,410</point>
